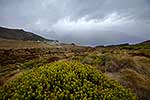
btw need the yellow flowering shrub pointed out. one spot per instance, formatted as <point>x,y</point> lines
<point>64,81</point>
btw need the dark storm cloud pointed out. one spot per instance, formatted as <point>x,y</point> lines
<point>87,22</point>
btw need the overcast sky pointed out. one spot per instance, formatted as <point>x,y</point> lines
<point>85,22</point>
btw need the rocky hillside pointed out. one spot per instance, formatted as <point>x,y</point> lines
<point>19,34</point>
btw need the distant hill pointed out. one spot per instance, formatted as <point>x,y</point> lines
<point>146,42</point>
<point>19,34</point>
<point>124,44</point>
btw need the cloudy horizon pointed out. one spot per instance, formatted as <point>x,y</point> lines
<point>85,22</point>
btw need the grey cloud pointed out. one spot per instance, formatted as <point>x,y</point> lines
<point>94,38</point>
<point>42,15</point>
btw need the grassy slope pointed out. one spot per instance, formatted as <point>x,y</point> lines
<point>130,65</point>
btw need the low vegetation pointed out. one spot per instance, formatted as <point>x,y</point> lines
<point>127,64</point>
<point>65,80</point>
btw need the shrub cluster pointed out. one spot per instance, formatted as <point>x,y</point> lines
<point>64,80</point>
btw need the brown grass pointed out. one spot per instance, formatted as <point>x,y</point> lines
<point>17,44</point>
<point>138,82</point>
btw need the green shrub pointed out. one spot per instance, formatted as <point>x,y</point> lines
<point>77,58</point>
<point>102,59</point>
<point>136,47</point>
<point>34,63</point>
<point>88,60</point>
<point>92,59</point>
<point>95,60</point>
<point>64,80</point>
